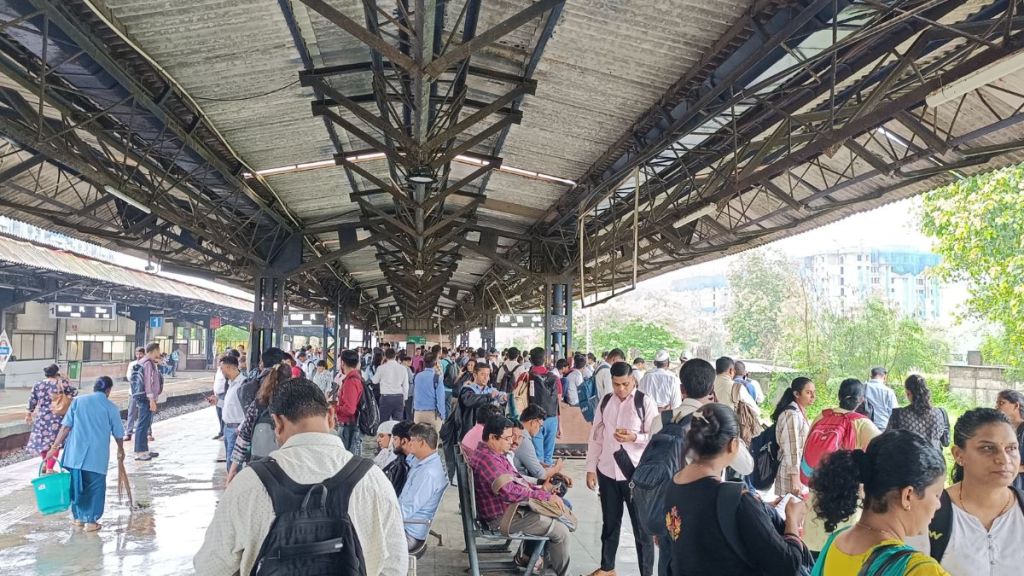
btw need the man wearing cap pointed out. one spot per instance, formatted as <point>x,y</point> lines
<point>879,399</point>
<point>384,452</point>
<point>661,385</point>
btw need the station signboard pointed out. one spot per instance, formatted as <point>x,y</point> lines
<point>417,340</point>
<point>304,319</point>
<point>6,351</point>
<point>60,310</point>
<point>524,320</point>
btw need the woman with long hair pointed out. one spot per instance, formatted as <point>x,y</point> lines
<point>920,416</point>
<point>897,481</point>
<point>277,375</point>
<point>979,528</point>
<point>466,377</point>
<point>844,420</point>
<point>1011,404</point>
<point>791,428</point>
<point>47,415</point>
<point>703,539</point>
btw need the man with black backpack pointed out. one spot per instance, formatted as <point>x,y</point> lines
<point>622,429</point>
<point>314,496</point>
<point>543,391</point>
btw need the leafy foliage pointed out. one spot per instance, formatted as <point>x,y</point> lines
<point>828,346</point>
<point>646,337</point>
<point>978,225</point>
<point>228,336</point>
<point>761,283</point>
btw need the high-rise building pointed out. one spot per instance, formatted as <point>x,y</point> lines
<point>843,280</point>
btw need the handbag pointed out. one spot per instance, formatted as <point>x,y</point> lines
<point>60,401</point>
<point>750,426</point>
<point>547,508</point>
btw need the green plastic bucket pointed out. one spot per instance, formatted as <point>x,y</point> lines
<point>53,491</point>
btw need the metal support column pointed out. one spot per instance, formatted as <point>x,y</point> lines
<point>568,321</point>
<point>140,316</point>
<point>267,316</point>
<point>211,351</point>
<point>556,319</point>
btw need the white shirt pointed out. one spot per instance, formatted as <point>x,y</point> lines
<point>385,457</point>
<point>603,379</point>
<point>573,381</point>
<point>219,383</point>
<point>639,374</point>
<point>663,387</point>
<point>245,511</point>
<point>393,378</point>
<point>588,371</point>
<point>131,366</point>
<point>233,412</point>
<point>974,552</point>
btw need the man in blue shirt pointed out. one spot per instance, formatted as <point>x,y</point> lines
<point>879,399</point>
<point>428,403</point>
<point>425,485</point>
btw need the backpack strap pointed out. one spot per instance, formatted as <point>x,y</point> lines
<point>726,504</point>
<point>276,482</point>
<point>604,401</point>
<point>641,409</point>
<point>344,482</point>
<point>941,527</point>
<point>890,560</point>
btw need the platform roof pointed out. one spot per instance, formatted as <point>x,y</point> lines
<point>48,274</point>
<point>586,142</point>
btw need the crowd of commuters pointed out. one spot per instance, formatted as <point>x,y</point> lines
<point>859,489</point>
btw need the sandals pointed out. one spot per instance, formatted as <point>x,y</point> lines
<point>93,526</point>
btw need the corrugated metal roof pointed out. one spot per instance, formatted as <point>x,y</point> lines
<point>25,253</point>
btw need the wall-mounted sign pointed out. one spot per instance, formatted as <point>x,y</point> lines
<point>526,320</point>
<point>304,319</point>
<point>6,351</point>
<point>95,311</point>
<point>156,322</point>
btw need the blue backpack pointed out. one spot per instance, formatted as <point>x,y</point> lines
<point>588,396</point>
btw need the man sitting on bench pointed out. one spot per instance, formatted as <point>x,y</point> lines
<point>425,485</point>
<point>490,465</point>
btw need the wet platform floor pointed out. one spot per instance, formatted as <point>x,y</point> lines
<point>178,493</point>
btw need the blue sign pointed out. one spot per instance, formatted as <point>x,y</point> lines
<point>5,350</point>
<point>156,322</point>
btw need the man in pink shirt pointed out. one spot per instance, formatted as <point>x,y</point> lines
<point>472,438</point>
<point>622,428</point>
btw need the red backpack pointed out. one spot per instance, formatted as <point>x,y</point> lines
<point>833,432</point>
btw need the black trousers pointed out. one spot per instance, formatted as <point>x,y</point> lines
<point>614,497</point>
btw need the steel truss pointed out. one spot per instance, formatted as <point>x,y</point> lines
<point>762,151</point>
<point>146,139</point>
<point>421,115</point>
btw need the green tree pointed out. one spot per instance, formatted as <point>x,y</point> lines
<point>829,346</point>
<point>760,284</point>
<point>227,336</point>
<point>978,225</point>
<point>646,337</point>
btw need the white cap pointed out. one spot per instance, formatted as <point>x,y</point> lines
<point>661,356</point>
<point>386,427</point>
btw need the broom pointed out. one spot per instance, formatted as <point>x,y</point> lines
<point>123,486</point>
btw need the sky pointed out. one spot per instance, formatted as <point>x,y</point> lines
<point>890,226</point>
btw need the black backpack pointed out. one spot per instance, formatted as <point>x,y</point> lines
<point>507,382</point>
<point>397,472</point>
<point>664,456</point>
<point>312,533</point>
<point>726,503</point>
<point>544,392</point>
<point>137,383</point>
<point>941,527</point>
<point>368,413</point>
<point>765,449</point>
<point>451,373</point>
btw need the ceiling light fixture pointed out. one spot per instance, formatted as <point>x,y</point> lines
<point>421,175</point>
<point>127,199</point>
<point>357,158</point>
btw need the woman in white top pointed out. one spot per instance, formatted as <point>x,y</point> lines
<point>979,530</point>
<point>791,428</point>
